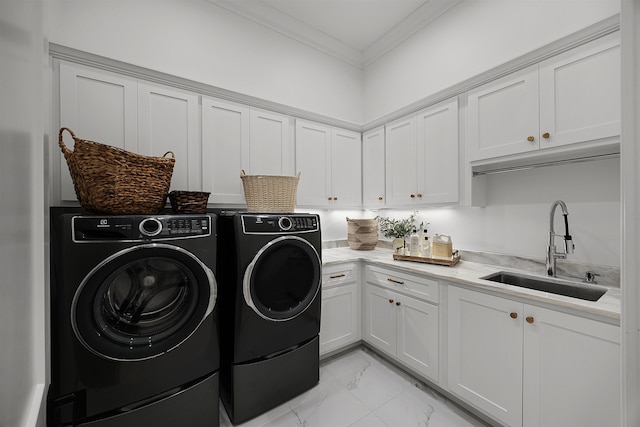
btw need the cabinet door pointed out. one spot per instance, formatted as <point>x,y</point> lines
<point>98,106</point>
<point>339,320</point>
<point>346,168</point>
<point>502,115</point>
<point>225,149</point>
<point>580,93</point>
<point>271,148</point>
<point>313,154</point>
<point>380,318</point>
<point>373,169</point>
<point>400,154</point>
<point>437,153</point>
<point>417,335</point>
<point>485,353</point>
<point>571,370</point>
<point>168,121</point>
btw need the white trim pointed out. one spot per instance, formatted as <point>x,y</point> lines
<point>35,407</point>
<point>630,231</point>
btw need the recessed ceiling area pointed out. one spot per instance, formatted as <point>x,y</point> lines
<point>355,31</point>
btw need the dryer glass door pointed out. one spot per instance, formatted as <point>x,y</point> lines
<point>142,302</point>
<point>283,279</point>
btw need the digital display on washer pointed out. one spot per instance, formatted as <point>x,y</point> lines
<point>278,224</point>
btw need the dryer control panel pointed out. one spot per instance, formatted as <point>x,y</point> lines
<point>279,224</point>
<point>138,228</point>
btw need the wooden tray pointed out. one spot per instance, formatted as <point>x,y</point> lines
<point>437,261</point>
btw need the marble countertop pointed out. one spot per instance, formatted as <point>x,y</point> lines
<point>468,274</point>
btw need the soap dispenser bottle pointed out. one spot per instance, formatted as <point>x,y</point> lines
<point>414,244</point>
<point>426,244</point>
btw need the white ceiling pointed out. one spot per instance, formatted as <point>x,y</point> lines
<point>355,31</point>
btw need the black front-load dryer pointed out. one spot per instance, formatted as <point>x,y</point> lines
<point>269,275</point>
<point>133,320</point>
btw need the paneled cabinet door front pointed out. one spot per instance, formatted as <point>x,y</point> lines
<point>168,121</point>
<point>99,106</point>
<point>417,332</point>
<point>313,154</point>
<point>339,320</point>
<point>225,149</point>
<point>485,353</point>
<point>346,168</point>
<point>380,318</point>
<point>373,169</point>
<point>502,116</point>
<point>271,145</point>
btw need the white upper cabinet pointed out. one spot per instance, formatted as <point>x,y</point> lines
<point>422,157</point>
<point>271,144</point>
<point>168,120</point>
<point>225,149</point>
<point>437,153</point>
<point>502,116</point>
<point>236,138</point>
<point>580,93</point>
<point>373,169</point>
<point>329,162</point>
<point>569,98</point>
<point>99,106</point>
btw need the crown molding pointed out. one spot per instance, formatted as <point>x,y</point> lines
<point>275,20</point>
<point>284,24</point>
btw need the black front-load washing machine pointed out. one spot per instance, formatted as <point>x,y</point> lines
<point>269,275</point>
<point>133,321</point>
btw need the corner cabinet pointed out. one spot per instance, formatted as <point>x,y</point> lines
<point>341,307</point>
<point>422,157</point>
<point>529,366</point>
<point>235,138</point>
<point>329,161</point>
<point>569,98</point>
<point>401,318</point>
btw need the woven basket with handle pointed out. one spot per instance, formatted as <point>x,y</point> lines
<point>114,181</point>
<point>270,193</point>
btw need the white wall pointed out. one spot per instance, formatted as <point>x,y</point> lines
<point>516,220</point>
<point>197,40</point>
<point>22,360</point>
<point>471,38</point>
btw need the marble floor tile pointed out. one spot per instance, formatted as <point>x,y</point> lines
<point>360,389</point>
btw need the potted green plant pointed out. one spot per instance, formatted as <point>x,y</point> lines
<point>397,229</point>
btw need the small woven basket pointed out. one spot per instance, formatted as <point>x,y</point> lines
<point>189,201</point>
<point>114,181</point>
<point>270,193</point>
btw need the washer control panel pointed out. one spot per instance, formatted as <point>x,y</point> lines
<point>137,228</point>
<point>279,224</point>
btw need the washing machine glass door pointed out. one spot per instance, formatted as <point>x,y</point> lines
<point>142,302</point>
<point>283,278</point>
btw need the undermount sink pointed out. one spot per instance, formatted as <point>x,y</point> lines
<point>585,292</point>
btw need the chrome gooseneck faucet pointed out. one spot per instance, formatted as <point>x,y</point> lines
<point>552,255</point>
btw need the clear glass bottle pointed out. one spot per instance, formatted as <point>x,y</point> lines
<point>414,244</point>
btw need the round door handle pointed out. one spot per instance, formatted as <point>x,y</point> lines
<point>546,135</point>
<point>398,303</point>
<point>413,196</point>
<point>329,198</point>
<point>419,195</point>
<point>530,138</point>
<point>513,315</point>
<point>529,319</point>
<point>390,301</point>
<point>379,198</point>
<point>335,198</point>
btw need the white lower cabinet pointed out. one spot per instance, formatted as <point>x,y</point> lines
<point>341,302</point>
<point>529,366</point>
<point>401,318</point>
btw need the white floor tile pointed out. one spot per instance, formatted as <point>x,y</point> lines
<point>360,389</point>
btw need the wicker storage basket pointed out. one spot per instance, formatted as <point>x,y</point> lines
<point>114,181</point>
<point>189,201</point>
<point>270,193</point>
